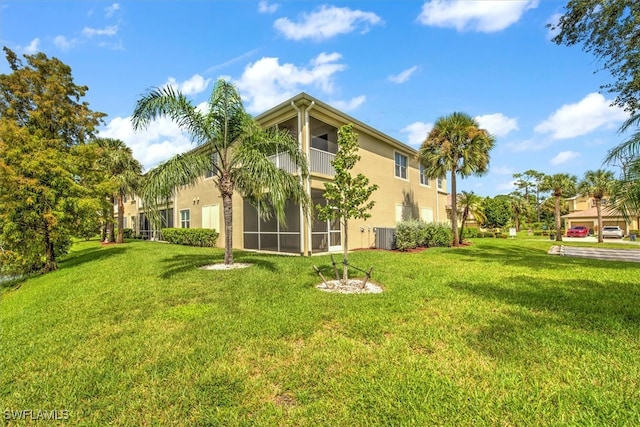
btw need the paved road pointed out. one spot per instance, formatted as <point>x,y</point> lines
<point>597,253</point>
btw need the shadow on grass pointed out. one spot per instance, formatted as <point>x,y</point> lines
<point>178,264</point>
<point>532,257</point>
<point>542,306</point>
<point>92,254</point>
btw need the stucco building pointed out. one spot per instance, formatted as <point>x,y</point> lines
<point>404,191</point>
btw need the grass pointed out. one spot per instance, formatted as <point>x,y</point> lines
<point>497,333</point>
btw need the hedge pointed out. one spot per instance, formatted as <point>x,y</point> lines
<point>412,234</point>
<point>190,236</point>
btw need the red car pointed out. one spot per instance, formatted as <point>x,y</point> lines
<point>578,231</point>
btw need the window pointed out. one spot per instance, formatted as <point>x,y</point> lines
<point>424,180</point>
<point>401,166</point>
<point>440,180</point>
<point>214,161</point>
<point>185,218</point>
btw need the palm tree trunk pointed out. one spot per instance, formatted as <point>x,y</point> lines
<point>226,190</point>
<point>454,208</point>
<point>120,238</point>
<point>599,211</point>
<point>558,221</point>
<point>465,215</point>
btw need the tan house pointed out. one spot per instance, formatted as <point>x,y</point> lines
<point>583,211</point>
<point>404,191</point>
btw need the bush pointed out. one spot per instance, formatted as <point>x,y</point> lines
<point>470,233</point>
<point>412,234</point>
<point>128,233</point>
<point>190,236</point>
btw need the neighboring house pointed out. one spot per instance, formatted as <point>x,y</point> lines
<point>404,192</point>
<point>583,211</point>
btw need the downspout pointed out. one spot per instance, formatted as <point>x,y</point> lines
<point>302,213</point>
<point>308,154</point>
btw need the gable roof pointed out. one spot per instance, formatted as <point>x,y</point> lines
<point>593,213</point>
<point>304,99</point>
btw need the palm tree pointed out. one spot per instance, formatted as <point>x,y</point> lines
<point>122,175</point>
<point>456,144</point>
<point>626,191</point>
<point>560,185</point>
<point>231,145</point>
<point>597,184</point>
<point>471,205</point>
<point>519,206</point>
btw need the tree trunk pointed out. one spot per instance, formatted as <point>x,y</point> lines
<point>454,208</point>
<point>226,190</point>
<point>599,211</point>
<point>345,250</point>
<point>50,255</point>
<point>558,220</point>
<point>120,238</point>
<point>465,215</point>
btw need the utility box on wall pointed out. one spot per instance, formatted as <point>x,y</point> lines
<point>385,238</point>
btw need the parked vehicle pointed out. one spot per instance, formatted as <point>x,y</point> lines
<point>612,231</point>
<point>578,231</point>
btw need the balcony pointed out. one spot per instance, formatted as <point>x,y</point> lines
<point>320,162</point>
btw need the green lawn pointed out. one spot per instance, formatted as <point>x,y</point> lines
<point>497,333</point>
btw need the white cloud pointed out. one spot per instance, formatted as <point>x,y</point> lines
<point>475,15</point>
<point>64,43</point>
<point>587,115</point>
<point>498,124</point>
<point>265,7</point>
<point>33,47</point>
<point>502,170</point>
<point>327,22</point>
<point>266,82</point>
<point>161,140</point>
<point>109,31</point>
<point>528,145</point>
<point>111,10</point>
<point>404,75</point>
<point>564,157</point>
<point>350,105</point>
<point>192,86</point>
<point>553,21</point>
<point>417,132</point>
<point>506,186</point>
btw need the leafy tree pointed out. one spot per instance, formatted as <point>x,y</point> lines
<point>597,184</point>
<point>609,30</point>
<point>497,211</point>
<point>561,185</point>
<point>530,182</point>
<point>231,145</point>
<point>347,196</point>
<point>458,145</point>
<point>519,208</point>
<point>42,124</point>
<point>471,205</point>
<point>122,175</point>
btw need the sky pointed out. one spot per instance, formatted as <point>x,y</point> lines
<point>395,65</point>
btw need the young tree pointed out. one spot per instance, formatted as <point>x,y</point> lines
<point>497,211</point>
<point>609,30</point>
<point>347,196</point>
<point>458,145</point>
<point>42,124</point>
<point>561,185</point>
<point>231,145</point>
<point>597,184</point>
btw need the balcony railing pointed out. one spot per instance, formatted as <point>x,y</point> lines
<point>321,162</point>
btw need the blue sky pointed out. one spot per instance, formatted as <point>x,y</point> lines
<point>395,65</point>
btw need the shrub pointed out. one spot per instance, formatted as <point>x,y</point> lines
<point>190,236</point>
<point>409,235</point>
<point>128,233</point>
<point>470,232</point>
<point>438,235</point>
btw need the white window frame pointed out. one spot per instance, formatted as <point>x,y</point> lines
<point>184,221</point>
<point>423,177</point>
<point>398,167</point>
<point>440,183</point>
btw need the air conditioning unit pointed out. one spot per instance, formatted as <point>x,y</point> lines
<point>385,238</point>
